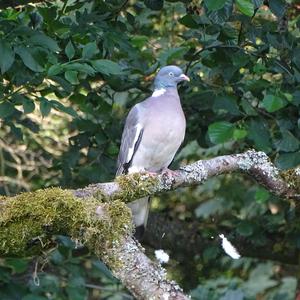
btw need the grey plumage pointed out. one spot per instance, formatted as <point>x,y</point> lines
<point>153,132</point>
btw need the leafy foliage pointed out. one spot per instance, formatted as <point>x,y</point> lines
<point>70,71</point>
<point>66,273</point>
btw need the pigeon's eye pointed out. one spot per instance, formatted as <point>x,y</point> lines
<point>171,74</point>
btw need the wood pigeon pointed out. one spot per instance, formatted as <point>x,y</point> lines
<point>154,130</point>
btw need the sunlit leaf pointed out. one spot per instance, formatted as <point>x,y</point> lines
<point>273,103</point>
<point>220,132</point>
<point>246,7</point>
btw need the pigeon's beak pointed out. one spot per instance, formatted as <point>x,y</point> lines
<point>184,77</point>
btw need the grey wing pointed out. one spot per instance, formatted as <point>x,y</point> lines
<point>131,138</point>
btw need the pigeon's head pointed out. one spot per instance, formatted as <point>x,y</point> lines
<point>169,76</point>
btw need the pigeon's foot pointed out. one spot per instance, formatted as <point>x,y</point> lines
<point>168,172</point>
<point>152,174</point>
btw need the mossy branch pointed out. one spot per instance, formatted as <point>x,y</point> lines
<point>103,221</point>
<point>256,164</point>
<point>29,220</point>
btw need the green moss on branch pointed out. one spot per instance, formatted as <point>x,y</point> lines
<point>28,221</point>
<point>136,185</point>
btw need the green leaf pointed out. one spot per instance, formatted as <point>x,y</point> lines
<point>89,50</point>
<point>65,241</point>
<point>100,266</point>
<point>7,56</point>
<point>59,106</point>
<point>154,4</point>
<point>80,67</point>
<point>54,70</point>
<point>6,109</point>
<point>66,86</point>
<point>112,149</point>
<point>258,3</point>
<point>226,104</point>
<point>45,41</point>
<point>101,138</point>
<point>221,15</point>
<point>288,160</point>
<point>210,253</point>
<point>220,132</point>
<point>189,21</point>
<point>69,50</point>
<point>273,103</point>
<point>246,7</point>
<point>28,106</point>
<point>239,134</point>
<point>45,107</point>
<point>214,5</point>
<point>211,207</point>
<point>288,142</point>
<point>259,133</point>
<point>248,108</point>
<point>107,67</point>
<point>278,7</point>
<point>261,195</point>
<point>71,76</point>
<point>245,228</point>
<point>76,288</point>
<point>139,41</point>
<point>169,55</point>
<point>28,59</point>
<point>18,265</point>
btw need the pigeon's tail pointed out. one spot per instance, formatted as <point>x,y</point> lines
<point>140,211</point>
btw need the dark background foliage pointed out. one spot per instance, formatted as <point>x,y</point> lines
<point>70,70</point>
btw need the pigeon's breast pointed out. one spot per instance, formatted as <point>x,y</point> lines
<point>161,139</point>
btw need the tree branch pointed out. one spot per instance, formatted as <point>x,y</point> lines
<point>144,278</point>
<point>134,186</point>
<point>105,227</point>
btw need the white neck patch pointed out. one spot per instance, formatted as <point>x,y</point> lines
<point>158,92</point>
